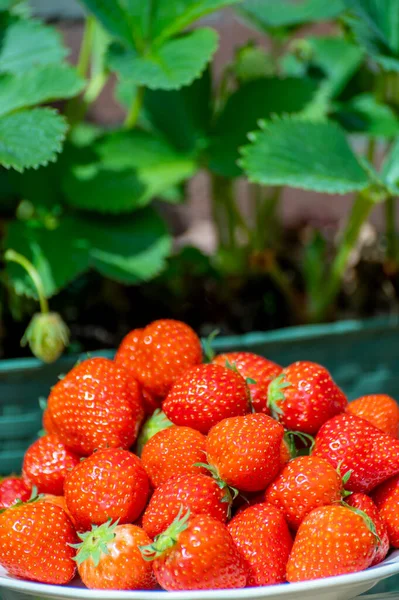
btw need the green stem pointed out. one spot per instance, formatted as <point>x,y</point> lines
<point>390,220</point>
<point>224,210</point>
<point>371,147</point>
<point>283,283</point>
<point>134,112</point>
<point>86,47</point>
<point>360,212</point>
<point>12,256</point>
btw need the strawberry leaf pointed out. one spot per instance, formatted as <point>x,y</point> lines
<point>390,169</point>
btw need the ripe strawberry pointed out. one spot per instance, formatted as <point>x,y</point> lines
<point>262,535</point>
<point>165,349</point>
<point>196,553</point>
<point>304,396</point>
<point>58,501</point>
<point>171,452</point>
<point>255,367</point>
<point>366,504</point>
<point>46,463</point>
<point>305,483</point>
<point>156,422</point>
<point>380,410</point>
<point>13,489</point>
<point>205,395</point>
<point>386,498</point>
<point>246,451</point>
<point>109,484</point>
<point>199,494</point>
<point>96,406</point>
<point>109,558</point>
<point>47,422</point>
<point>357,446</point>
<point>331,540</point>
<point>126,353</point>
<point>34,543</point>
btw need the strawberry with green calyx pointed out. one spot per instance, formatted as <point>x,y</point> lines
<point>47,335</point>
<point>304,396</point>
<point>108,557</point>
<point>380,410</point>
<point>386,498</point>
<point>365,504</point>
<point>344,537</point>
<point>206,394</point>
<point>12,490</point>
<point>196,553</point>
<point>198,494</point>
<point>256,370</point>
<point>172,452</point>
<point>156,422</point>
<point>246,451</point>
<point>371,455</point>
<point>262,535</point>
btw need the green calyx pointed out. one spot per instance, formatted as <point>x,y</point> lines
<point>157,422</point>
<point>34,497</point>
<point>275,395</point>
<point>166,540</point>
<point>230,493</point>
<point>95,542</point>
<point>307,439</point>
<point>345,478</point>
<point>207,345</point>
<point>368,521</point>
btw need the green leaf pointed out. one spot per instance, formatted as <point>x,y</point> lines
<point>184,115</point>
<point>31,138</point>
<point>390,169</point>
<point>376,27</point>
<point>253,101</point>
<point>128,170</point>
<point>286,13</point>
<point>114,16</point>
<point>312,156</point>
<point>27,44</point>
<point>43,84</point>
<point>365,114</point>
<point>174,64</point>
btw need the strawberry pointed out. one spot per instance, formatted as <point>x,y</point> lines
<point>386,498</point>
<point>13,489</point>
<point>355,445</point>
<point>109,484</point>
<point>95,406</point>
<point>126,352</point>
<point>58,501</point>
<point>171,452</point>
<point>304,396</point>
<point>245,451</point>
<point>253,367</point>
<point>156,422</point>
<point>305,483</point>
<point>366,504</point>
<point>34,543</point>
<point>262,535</point>
<point>380,410</point>
<point>196,553</point>
<point>331,540</point>
<point>199,494</point>
<point>46,464</point>
<point>164,350</point>
<point>205,395</point>
<point>47,422</point>
<point>109,558</point>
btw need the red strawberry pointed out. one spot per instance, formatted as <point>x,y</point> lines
<point>171,452</point>
<point>305,483</point>
<point>255,367</point>
<point>126,353</point>
<point>109,484</point>
<point>199,494</point>
<point>58,501</point>
<point>13,489</point>
<point>304,396</point>
<point>380,410</point>
<point>34,543</point>
<point>47,422</point>
<point>165,349</point>
<point>96,406</point>
<point>262,535</point>
<point>386,498</point>
<point>331,540</point>
<point>109,558</point>
<point>196,553</point>
<point>46,463</point>
<point>355,445</point>
<point>205,395</point>
<point>365,504</point>
<point>246,451</point>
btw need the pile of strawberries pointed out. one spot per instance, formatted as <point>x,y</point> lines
<point>157,469</point>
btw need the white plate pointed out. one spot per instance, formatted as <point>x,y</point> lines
<point>342,587</point>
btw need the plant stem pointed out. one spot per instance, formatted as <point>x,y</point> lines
<point>86,47</point>
<point>223,204</point>
<point>134,112</point>
<point>390,220</point>
<point>361,209</point>
<point>12,256</point>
